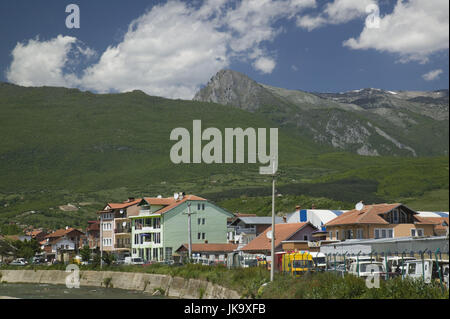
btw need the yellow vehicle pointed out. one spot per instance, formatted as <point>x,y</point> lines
<point>297,263</point>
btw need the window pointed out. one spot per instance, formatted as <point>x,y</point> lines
<point>199,235</point>
<point>416,232</point>
<point>155,254</point>
<point>337,234</point>
<point>305,237</point>
<point>198,206</point>
<point>203,235</point>
<point>203,206</point>
<point>384,233</point>
<point>395,214</point>
<point>359,233</point>
<point>348,234</point>
<point>157,237</point>
<point>203,221</point>
<point>198,221</point>
<point>168,253</point>
<point>331,235</point>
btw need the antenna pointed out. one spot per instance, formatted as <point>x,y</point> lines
<point>359,206</point>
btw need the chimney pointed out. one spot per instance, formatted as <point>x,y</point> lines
<point>130,199</point>
<point>284,219</point>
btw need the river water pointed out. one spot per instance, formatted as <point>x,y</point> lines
<point>44,291</point>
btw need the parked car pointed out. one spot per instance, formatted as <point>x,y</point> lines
<point>133,261</point>
<point>18,262</point>
<point>396,263</point>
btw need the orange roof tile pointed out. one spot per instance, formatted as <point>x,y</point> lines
<point>370,214</point>
<point>176,203</point>
<point>210,247</point>
<point>62,232</point>
<point>282,232</point>
<point>124,204</point>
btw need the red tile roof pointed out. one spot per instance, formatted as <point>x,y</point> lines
<point>437,221</point>
<point>62,232</point>
<point>282,232</point>
<point>370,214</point>
<point>209,247</point>
<point>124,204</point>
<point>179,202</point>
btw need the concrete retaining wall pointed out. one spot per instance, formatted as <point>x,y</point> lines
<point>176,287</point>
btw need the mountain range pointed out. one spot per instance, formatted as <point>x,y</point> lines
<point>63,146</point>
<point>367,121</point>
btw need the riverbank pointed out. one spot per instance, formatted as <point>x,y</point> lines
<point>154,284</point>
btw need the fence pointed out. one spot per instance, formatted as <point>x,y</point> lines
<point>427,265</point>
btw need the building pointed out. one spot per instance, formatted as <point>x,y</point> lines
<point>245,229</point>
<point>207,253</point>
<point>92,235</point>
<point>62,244</point>
<point>317,217</point>
<point>161,226</point>
<point>378,221</point>
<point>408,246</point>
<point>283,232</point>
<point>439,219</point>
<point>115,227</point>
<point>37,234</point>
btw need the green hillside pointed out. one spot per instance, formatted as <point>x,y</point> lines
<point>62,146</point>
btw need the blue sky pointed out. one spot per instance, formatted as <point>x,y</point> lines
<point>175,47</point>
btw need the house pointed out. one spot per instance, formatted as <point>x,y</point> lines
<point>161,226</point>
<point>262,244</point>
<point>378,221</point>
<point>38,234</point>
<point>245,229</point>
<point>211,253</point>
<point>62,244</point>
<point>115,227</point>
<point>439,219</point>
<point>92,235</point>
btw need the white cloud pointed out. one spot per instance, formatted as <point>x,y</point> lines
<point>432,75</point>
<point>38,63</point>
<point>265,65</point>
<point>336,12</point>
<point>169,51</point>
<point>414,30</point>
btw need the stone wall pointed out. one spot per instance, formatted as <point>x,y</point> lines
<point>176,287</point>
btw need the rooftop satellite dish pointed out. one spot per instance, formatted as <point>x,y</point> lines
<point>175,195</point>
<point>269,234</point>
<point>359,206</point>
<point>124,224</point>
<point>159,196</point>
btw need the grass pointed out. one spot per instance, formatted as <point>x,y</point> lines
<point>254,282</point>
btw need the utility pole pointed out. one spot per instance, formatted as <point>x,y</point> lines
<point>189,230</point>
<point>272,250</point>
<point>101,240</point>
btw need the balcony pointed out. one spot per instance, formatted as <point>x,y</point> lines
<point>123,246</point>
<point>122,230</point>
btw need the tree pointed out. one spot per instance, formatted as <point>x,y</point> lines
<point>85,253</point>
<point>108,258</point>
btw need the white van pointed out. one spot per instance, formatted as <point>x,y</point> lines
<point>133,261</point>
<point>367,268</point>
<point>426,269</point>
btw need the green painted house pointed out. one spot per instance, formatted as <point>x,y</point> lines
<point>161,225</point>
